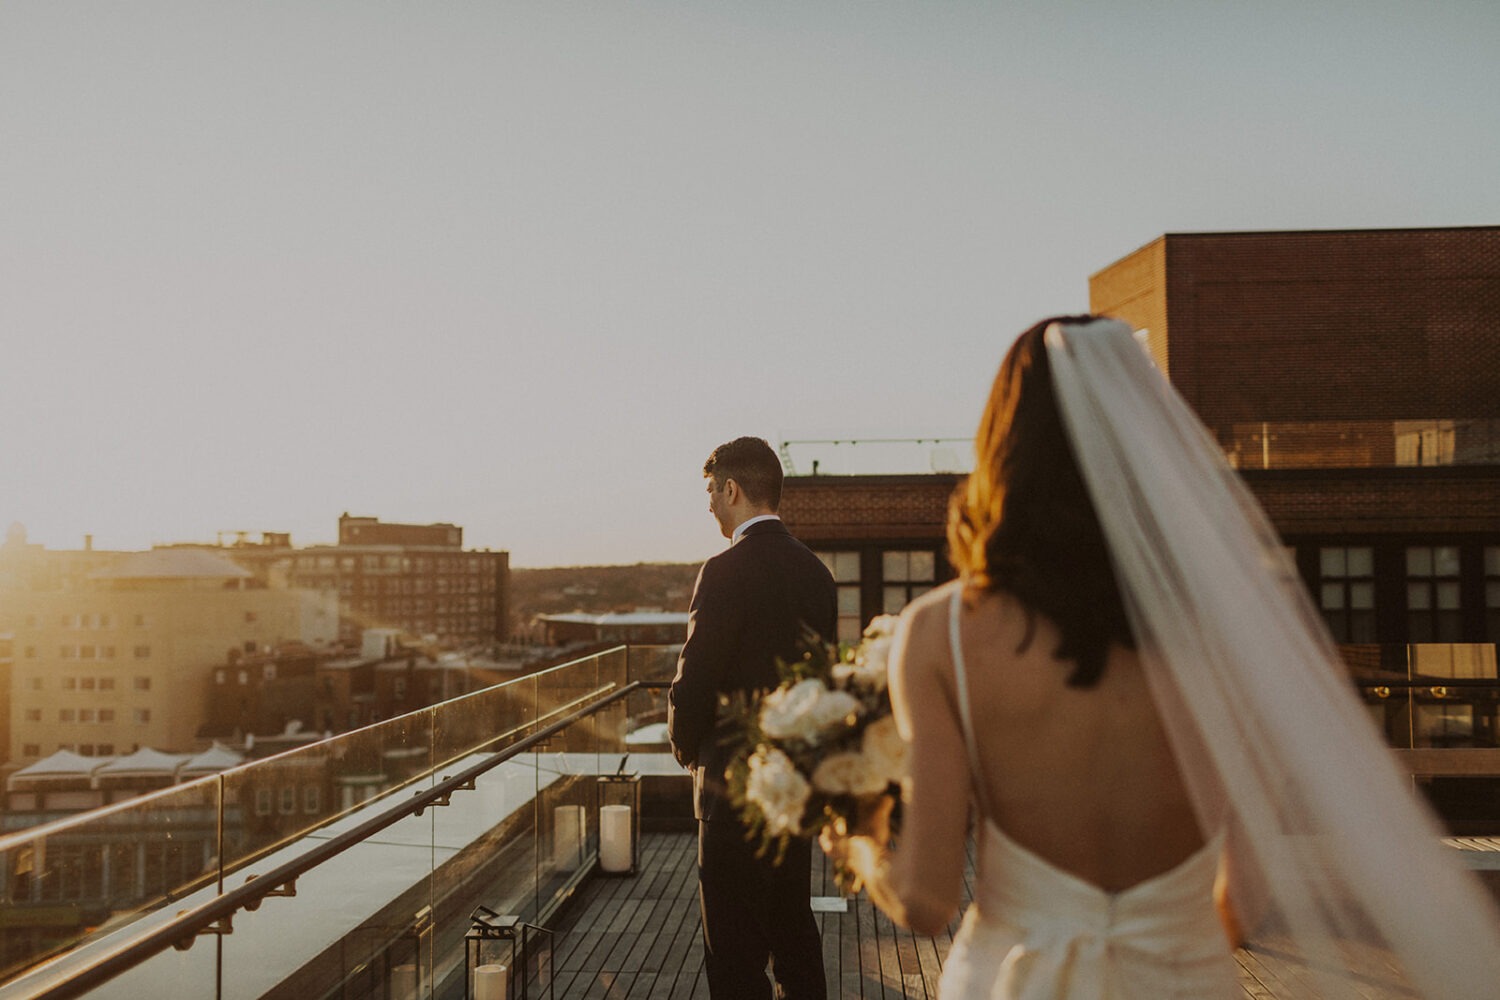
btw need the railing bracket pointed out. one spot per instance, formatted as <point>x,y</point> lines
<point>288,889</point>
<point>222,927</point>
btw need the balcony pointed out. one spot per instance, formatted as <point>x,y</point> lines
<point>353,868</point>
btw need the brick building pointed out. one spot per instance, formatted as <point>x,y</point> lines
<point>1354,379</point>
<point>414,577</point>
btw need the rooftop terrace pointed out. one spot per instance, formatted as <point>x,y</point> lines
<point>352,867</point>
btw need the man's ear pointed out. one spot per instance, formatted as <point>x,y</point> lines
<point>731,491</point>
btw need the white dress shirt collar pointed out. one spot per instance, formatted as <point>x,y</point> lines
<point>740,531</point>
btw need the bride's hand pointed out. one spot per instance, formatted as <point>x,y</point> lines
<point>873,822</point>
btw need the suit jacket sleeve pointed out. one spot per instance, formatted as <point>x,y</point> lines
<point>714,622</point>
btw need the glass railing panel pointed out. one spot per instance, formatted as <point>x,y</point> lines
<point>485,840</point>
<point>276,801</point>
<point>386,916</point>
<point>1361,444</point>
<point>1435,695</point>
<point>69,884</point>
<point>484,721</point>
<point>646,725</point>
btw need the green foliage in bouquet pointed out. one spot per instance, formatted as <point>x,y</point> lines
<point>820,745</point>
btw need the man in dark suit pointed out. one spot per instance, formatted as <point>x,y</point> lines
<point>751,604</point>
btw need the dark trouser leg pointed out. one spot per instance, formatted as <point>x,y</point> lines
<point>755,912</point>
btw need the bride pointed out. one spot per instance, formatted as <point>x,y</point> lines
<point>1167,759</point>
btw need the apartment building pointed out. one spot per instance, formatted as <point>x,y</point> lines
<point>414,577</point>
<point>124,659</point>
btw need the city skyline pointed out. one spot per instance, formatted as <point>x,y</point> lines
<point>519,267</point>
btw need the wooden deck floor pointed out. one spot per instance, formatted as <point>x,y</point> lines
<point>639,938</point>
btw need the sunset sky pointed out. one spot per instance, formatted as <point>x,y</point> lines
<point>520,266</point>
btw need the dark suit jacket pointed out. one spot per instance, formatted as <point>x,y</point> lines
<point>750,606</point>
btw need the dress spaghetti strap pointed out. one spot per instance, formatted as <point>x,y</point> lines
<point>961,684</point>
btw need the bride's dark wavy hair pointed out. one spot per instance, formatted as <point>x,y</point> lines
<point>1023,521</point>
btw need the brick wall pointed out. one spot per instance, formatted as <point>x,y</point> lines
<point>1315,326</point>
<point>822,510</point>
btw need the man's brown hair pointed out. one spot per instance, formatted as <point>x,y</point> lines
<point>752,463</point>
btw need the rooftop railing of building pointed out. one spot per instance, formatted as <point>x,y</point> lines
<point>868,456</point>
<point>1345,444</point>
<point>346,868</point>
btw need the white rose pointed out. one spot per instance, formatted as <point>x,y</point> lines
<point>884,750</point>
<point>804,710</point>
<point>778,790</point>
<point>882,625</point>
<point>847,774</point>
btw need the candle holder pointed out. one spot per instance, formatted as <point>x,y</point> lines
<point>619,797</point>
<point>487,930</point>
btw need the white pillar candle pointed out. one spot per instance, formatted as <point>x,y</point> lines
<point>614,838</point>
<point>567,837</point>
<point>491,982</point>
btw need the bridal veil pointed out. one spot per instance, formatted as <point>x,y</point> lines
<point>1336,864</point>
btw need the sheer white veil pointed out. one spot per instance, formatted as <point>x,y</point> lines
<point>1335,863</point>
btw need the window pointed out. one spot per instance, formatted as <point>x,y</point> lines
<point>86,683</point>
<point>35,683</point>
<point>140,621</point>
<point>106,715</point>
<point>142,716</point>
<point>33,715</point>
<point>86,749</point>
<point>288,800</point>
<point>31,749</point>
<point>268,672</point>
<point>68,652</point>
<point>219,676</point>
<point>312,798</point>
<point>398,688</point>
<point>106,749</point>
<point>142,652</point>
<point>86,715</point>
<point>66,715</point>
<point>1492,592</point>
<point>106,684</point>
<point>143,684</point>
<point>70,683</point>
<point>845,569</point>
<point>31,621</point>
<point>108,652</point>
<point>1347,592</point>
<point>262,802</point>
<point>1433,603</point>
<point>906,576</point>
<point>86,652</point>
<point>30,652</point>
<point>250,616</point>
<point>106,621</point>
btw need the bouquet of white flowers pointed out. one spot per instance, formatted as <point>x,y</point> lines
<point>822,744</point>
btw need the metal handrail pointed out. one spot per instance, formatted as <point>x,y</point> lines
<point>214,915</point>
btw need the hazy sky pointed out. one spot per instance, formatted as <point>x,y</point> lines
<point>521,266</point>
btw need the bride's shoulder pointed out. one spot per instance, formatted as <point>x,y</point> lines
<point>924,622</point>
<point>932,606</point>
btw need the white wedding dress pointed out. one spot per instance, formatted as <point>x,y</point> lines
<point>1036,932</point>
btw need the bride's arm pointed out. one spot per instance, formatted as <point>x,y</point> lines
<point>918,880</point>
